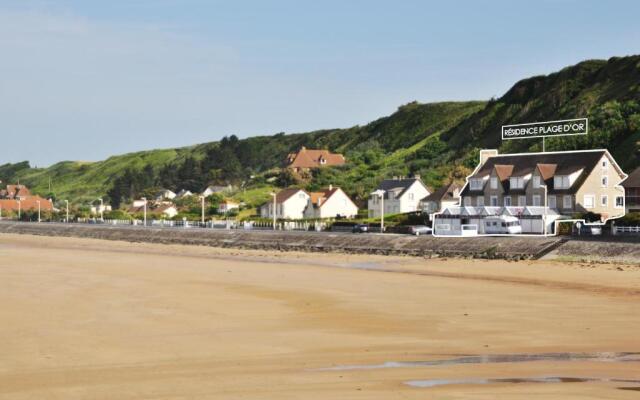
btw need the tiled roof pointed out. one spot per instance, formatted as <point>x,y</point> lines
<point>443,193</point>
<point>633,181</point>
<point>308,158</point>
<point>398,186</point>
<point>30,203</point>
<point>550,164</point>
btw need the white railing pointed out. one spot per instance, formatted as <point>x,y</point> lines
<point>626,229</point>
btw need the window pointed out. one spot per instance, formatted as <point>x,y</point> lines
<point>552,201</point>
<point>507,201</point>
<point>494,201</point>
<point>604,200</point>
<point>522,201</point>
<point>392,195</point>
<point>480,201</point>
<point>561,182</point>
<point>476,184</point>
<point>619,201</point>
<point>494,182</point>
<point>467,201</point>
<point>517,182</point>
<point>605,181</point>
<point>566,202</point>
<point>605,163</point>
<point>536,200</point>
<point>536,182</point>
<point>589,201</point>
<point>301,195</point>
<point>411,196</point>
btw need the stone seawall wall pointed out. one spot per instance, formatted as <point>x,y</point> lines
<point>424,246</point>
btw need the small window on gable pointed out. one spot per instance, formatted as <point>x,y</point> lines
<point>605,181</point>
<point>605,163</point>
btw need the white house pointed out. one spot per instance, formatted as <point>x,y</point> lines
<point>401,195</point>
<point>216,189</point>
<point>167,210</point>
<point>330,203</point>
<point>290,204</point>
<point>227,206</point>
<point>184,193</point>
<point>165,195</point>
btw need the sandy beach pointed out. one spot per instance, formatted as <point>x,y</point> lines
<point>92,319</point>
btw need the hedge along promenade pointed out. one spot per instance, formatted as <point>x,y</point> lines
<point>388,244</point>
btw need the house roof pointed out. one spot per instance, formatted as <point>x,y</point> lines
<point>13,191</point>
<point>318,199</point>
<point>397,185</point>
<point>30,203</point>
<point>550,165</point>
<point>443,193</point>
<point>633,181</point>
<point>310,158</point>
<point>285,194</point>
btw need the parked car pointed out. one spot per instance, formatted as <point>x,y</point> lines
<point>360,228</point>
<point>419,230</point>
<point>588,230</point>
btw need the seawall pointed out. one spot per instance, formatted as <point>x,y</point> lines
<point>424,246</point>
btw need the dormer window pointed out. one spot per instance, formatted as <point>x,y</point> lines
<point>516,182</point>
<point>476,184</point>
<point>561,182</point>
<point>494,182</point>
<point>323,161</point>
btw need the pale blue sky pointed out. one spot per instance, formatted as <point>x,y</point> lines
<point>83,80</point>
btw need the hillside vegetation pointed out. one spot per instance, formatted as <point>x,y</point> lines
<point>439,141</point>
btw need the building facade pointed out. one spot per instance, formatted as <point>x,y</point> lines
<point>401,195</point>
<point>331,202</point>
<point>570,182</point>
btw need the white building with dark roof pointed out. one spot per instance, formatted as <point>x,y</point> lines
<point>401,195</point>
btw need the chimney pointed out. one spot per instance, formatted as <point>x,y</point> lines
<point>416,176</point>
<point>487,154</point>
<point>330,187</point>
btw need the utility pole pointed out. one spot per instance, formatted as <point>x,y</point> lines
<point>101,209</point>
<point>38,201</point>
<point>19,210</point>
<point>67,220</point>
<point>274,210</point>
<point>202,209</point>
<point>145,210</point>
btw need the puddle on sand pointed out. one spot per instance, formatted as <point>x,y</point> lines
<point>496,358</point>
<point>428,383</point>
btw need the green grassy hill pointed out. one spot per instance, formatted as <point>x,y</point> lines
<point>440,141</point>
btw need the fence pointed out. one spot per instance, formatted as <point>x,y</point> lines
<point>213,224</point>
<point>626,230</point>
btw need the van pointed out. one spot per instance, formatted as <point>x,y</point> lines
<point>503,224</point>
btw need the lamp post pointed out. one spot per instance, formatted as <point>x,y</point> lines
<point>274,209</point>
<point>544,226</point>
<point>67,219</point>
<point>38,202</point>
<point>202,209</point>
<point>380,193</point>
<point>101,209</point>
<point>0,210</point>
<point>144,199</point>
<point>19,210</point>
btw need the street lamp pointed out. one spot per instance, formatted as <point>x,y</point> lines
<point>38,202</point>
<point>144,199</point>
<point>0,210</point>
<point>544,228</point>
<point>101,209</point>
<point>380,193</point>
<point>274,209</point>
<point>67,219</point>
<point>202,208</point>
<point>19,210</point>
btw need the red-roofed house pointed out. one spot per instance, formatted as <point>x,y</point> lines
<point>306,159</point>
<point>28,204</point>
<point>330,203</point>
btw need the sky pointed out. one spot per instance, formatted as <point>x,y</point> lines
<point>87,79</point>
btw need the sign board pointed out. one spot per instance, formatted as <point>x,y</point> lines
<point>579,126</point>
